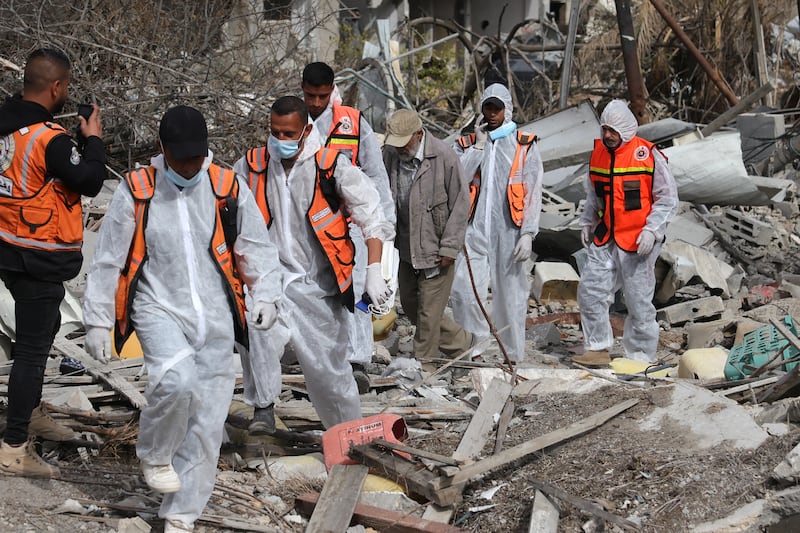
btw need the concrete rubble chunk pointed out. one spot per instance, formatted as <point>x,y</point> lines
<point>685,311</point>
<point>705,419</point>
<point>689,263</point>
<point>553,281</point>
<point>133,525</point>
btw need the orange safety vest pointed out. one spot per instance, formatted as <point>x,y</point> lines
<point>141,183</point>
<point>36,209</point>
<point>516,189</point>
<point>345,134</point>
<point>623,183</point>
<point>324,214</point>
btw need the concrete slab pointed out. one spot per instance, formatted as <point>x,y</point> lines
<point>707,420</point>
<point>553,281</point>
<point>688,263</point>
<point>686,228</point>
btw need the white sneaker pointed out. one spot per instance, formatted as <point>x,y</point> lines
<point>176,526</point>
<point>161,478</point>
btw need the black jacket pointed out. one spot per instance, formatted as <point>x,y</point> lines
<point>86,177</point>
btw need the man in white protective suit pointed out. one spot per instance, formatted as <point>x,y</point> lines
<point>344,128</point>
<point>177,243</point>
<point>303,191</point>
<point>505,170</point>
<point>630,198</point>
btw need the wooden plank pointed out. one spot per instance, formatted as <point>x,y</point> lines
<point>338,500</point>
<point>790,380</point>
<point>381,519</point>
<point>482,422</point>
<point>100,371</point>
<point>502,425</point>
<point>584,505</point>
<point>409,474</point>
<point>747,386</point>
<point>544,516</point>
<point>474,439</point>
<point>539,443</point>
<point>416,452</point>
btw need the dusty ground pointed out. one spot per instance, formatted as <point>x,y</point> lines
<point>651,477</point>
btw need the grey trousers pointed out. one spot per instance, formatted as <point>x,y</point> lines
<point>424,301</point>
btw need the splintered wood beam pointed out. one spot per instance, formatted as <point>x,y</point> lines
<point>338,500</point>
<point>413,476</point>
<point>468,472</point>
<point>583,505</point>
<point>381,519</point>
<point>102,372</point>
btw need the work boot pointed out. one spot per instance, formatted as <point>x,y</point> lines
<point>161,478</point>
<point>43,425</point>
<point>263,422</point>
<point>176,526</point>
<point>361,377</point>
<point>593,358</point>
<point>23,460</point>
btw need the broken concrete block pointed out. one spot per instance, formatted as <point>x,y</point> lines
<point>706,419</point>
<point>683,228</point>
<point>757,129</point>
<point>749,517</point>
<point>741,227</point>
<point>133,525</point>
<point>555,281</point>
<point>691,310</point>
<point>543,335</point>
<point>788,470</point>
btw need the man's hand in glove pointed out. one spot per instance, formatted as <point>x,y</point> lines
<point>98,343</point>
<point>376,286</point>
<point>264,315</point>
<point>586,236</point>
<point>646,240</point>
<point>481,133</point>
<point>522,251</point>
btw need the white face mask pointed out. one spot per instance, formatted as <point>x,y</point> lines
<point>284,149</point>
<point>179,180</point>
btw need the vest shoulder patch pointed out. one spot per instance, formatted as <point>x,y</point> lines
<point>641,153</point>
<point>6,151</point>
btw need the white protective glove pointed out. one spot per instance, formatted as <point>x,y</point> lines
<point>524,247</point>
<point>264,315</point>
<point>481,133</point>
<point>376,286</point>
<point>98,343</point>
<point>586,236</point>
<point>646,240</point>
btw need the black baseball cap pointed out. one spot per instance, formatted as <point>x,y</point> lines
<point>183,131</point>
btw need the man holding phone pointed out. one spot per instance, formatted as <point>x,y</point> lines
<point>42,177</point>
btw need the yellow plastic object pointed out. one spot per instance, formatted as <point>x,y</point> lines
<point>131,349</point>
<point>703,363</point>
<point>375,483</point>
<point>382,325</point>
<point>621,365</point>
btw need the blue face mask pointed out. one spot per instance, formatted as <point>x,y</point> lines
<point>506,129</point>
<point>284,149</point>
<point>180,181</point>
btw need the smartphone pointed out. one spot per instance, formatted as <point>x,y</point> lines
<point>85,110</point>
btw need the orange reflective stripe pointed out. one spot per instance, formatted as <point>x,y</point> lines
<point>332,230</point>
<point>465,141</point>
<point>517,189</point>
<point>141,183</point>
<point>258,163</point>
<point>36,209</point>
<point>345,134</point>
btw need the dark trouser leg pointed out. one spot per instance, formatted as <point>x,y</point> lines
<point>37,316</point>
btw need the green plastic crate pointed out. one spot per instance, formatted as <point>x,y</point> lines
<point>758,347</point>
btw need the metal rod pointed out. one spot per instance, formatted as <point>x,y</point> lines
<point>566,66</point>
<point>630,56</point>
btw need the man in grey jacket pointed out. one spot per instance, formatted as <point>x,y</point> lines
<point>432,201</point>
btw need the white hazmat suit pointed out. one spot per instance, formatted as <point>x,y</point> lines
<point>492,236</point>
<point>370,162</point>
<point>183,320</point>
<point>609,268</point>
<point>312,323</point>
